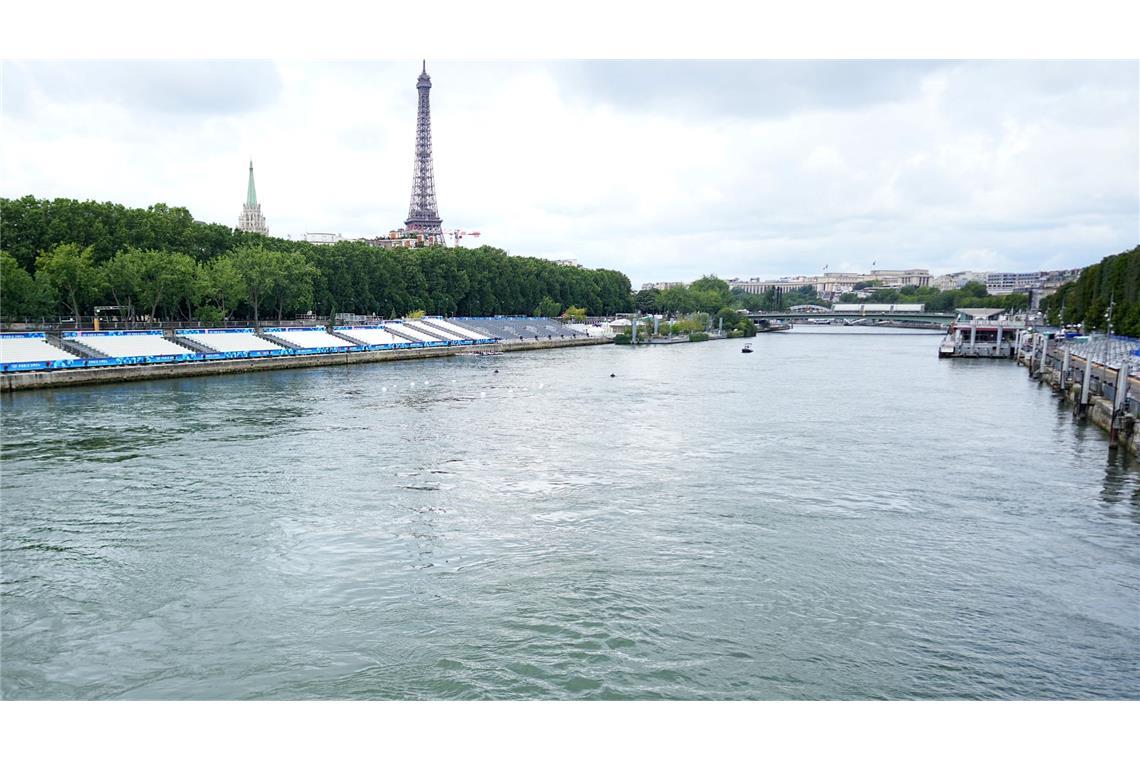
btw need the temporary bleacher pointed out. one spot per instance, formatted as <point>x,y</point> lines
<point>230,340</point>
<point>519,328</point>
<point>121,343</point>
<point>308,337</point>
<point>373,335</point>
<point>29,347</point>
<point>458,328</point>
<point>439,333</point>
<point>408,329</point>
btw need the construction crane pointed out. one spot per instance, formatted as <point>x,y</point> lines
<point>457,235</point>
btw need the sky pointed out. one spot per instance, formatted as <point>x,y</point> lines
<point>664,170</point>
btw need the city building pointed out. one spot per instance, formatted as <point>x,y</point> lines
<point>251,219</point>
<point>1002,283</point>
<point>660,285</point>
<point>901,278</point>
<point>401,239</point>
<point>831,285</point>
<point>322,238</point>
<point>956,280</point>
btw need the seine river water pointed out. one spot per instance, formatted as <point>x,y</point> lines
<point>839,515</point>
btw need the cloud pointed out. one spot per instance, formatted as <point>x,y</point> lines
<point>743,89</point>
<point>663,170</point>
<point>163,87</point>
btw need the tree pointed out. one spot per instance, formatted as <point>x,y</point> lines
<point>292,287</point>
<point>728,316</point>
<point>646,300</point>
<point>575,313</point>
<point>676,300</point>
<point>548,307</point>
<point>71,272</point>
<point>258,273</point>
<point>220,284</point>
<point>20,294</point>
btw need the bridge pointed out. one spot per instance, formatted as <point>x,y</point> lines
<point>916,318</point>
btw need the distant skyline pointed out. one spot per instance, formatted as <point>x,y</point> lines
<point>663,170</point>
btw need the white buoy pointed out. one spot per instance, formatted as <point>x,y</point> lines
<point>385,389</point>
<point>413,383</point>
<point>483,394</point>
<point>541,386</point>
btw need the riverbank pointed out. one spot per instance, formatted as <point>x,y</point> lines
<point>133,373</point>
<point>1066,372</point>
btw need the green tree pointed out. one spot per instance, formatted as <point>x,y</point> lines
<point>219,284</point>
<point>21,296</point>
<point>258,267</point>
<point>646,300</point>
<point>292,288</point>
<point>548,307</point>
<point>676,300</point>
<point>71,272</point>
<point>575,312</point>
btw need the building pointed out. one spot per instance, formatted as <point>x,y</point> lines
<point>401,239</point>
<point>661,285</point>
<point>831,285</point>
<point>423,211</point>
<point>956,280</point>
<point>901,278</point>
<point>322,238</point>
<point>1003,283</point>
<point>251,219</point>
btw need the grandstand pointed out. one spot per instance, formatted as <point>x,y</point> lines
<point>409,330</point>
<point>307,337</point>
<point>121,343</point>
<point>519,328</point>
<point>457,328</point>
<point>372,335</point>
<point>439,333</point>
<point>29,347</point>
<point>227,341</point>
<point>25,352</point>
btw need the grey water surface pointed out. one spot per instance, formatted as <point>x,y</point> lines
<point>839,515</point>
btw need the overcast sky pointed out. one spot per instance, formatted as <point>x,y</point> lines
<point>663,170</point>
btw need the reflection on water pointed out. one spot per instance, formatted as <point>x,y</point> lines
<point>834,516</point>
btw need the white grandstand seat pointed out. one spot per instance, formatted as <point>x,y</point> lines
<point>30,349</point>
<point>419,335</point>
<point>130,344</point>
<point>241,340</point>
<point>372,335</point>
<point>422,325</point>
<point>315,337</point>
<point>459,328</point>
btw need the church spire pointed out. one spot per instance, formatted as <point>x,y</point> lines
<point>251,191</point>
<point>251,219</point>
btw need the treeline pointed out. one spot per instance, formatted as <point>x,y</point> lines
<point>64,256</point>
<point>710,294</point>
<point>972,295</point>
<point>1114,280</point>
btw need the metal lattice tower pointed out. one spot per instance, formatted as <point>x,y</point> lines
<point>423,213</point>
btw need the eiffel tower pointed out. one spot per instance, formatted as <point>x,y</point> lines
<point>423,213</point>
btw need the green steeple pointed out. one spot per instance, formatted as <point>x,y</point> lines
<point>251,193</point>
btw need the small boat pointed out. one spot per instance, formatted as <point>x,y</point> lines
<point>747,348</point>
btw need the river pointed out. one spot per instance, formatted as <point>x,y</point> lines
<point>839,515</point>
